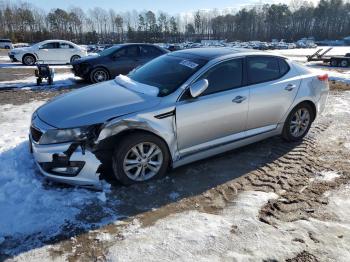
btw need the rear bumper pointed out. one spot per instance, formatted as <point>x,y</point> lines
<point>46,155</point>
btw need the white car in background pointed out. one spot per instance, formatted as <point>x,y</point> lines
<point>49,51</point>
<point>6,44</point>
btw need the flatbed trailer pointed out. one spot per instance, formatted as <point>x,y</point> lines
<point>343,61</point>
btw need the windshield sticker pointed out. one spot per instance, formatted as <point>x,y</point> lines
<point>188,64</point>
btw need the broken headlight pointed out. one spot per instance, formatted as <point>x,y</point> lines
<point>55,136</point>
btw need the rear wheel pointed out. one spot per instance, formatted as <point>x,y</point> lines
<point>344,63</point>
<point>28,60</point>
<point>73,58</point>
<point>298,123</point>
<point>140,157</point>
<point>99,75</point>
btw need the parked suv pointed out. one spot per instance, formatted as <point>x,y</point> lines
<point>119,59</point>
<point>49,51</point>
<point>176,109</point>
<point>6,44</point>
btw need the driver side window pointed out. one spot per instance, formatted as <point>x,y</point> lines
<point>224,76</point>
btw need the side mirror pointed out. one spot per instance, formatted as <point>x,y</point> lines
<point>199,87</point>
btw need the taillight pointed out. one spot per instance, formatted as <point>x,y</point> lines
<point>323,77</point>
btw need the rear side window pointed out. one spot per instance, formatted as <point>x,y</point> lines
<point>225,76</point>
<point>262,69</point>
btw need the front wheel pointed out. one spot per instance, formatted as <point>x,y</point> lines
<point>344,63</point>
<point>28,60</point>
<point>140,157</point>
<point>298,123</point>
<point>334,62</point>
<point>99,75</point>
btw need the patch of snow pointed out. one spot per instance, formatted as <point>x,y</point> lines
<point>104,237</point>
<point>21,66</point>
<point>28,204</point>
<point>5,58</point>
<point>303,52</point>
<point>234,235</point>
<point>326,176</point>
<point>102,197</point>
<point>59,80</point>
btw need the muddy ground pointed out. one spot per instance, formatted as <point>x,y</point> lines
<point>209,186</point>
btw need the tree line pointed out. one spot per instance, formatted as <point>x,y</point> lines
<point>24,22</point>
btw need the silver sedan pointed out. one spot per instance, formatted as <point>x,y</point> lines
<point>178,108</point>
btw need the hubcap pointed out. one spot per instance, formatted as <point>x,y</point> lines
<point>143,161</point>
<point>100,76</point>
<point>300,122</point>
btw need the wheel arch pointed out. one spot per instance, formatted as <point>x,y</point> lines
<point>110,143</point>
<point>100,66</point>
<point>31,54</point>
<point>308,102</point>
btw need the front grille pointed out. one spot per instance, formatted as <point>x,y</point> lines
<point>36,134</point>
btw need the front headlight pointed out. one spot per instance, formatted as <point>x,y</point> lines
<point>55,136</point>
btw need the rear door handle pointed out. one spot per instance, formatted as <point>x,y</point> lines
<point>239,99</point>
<point>290,87</point>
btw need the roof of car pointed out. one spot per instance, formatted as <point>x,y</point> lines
<point>210,53</point>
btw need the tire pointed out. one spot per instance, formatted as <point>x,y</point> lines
<point>50,80</point>
<point>7,47</point>
<point>38,81</point>
<point>73,58</point>
<point>99,75</point>
<point>334,63</point>
<point>303,125</point>
<point>128,167</point>
<point>28,60</point>
<point>344,63</point>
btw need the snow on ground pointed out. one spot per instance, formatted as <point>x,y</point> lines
<point>303,52</point>
<point>5,58</point>
<point>59,80</point>
<point>18,65</point>
<point>28,205</point>
<point>236,235</point>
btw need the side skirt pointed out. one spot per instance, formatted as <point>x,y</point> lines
<point>226,147</point>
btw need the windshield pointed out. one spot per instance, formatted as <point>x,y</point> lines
<point>109,51</point>
<point>167,72</point>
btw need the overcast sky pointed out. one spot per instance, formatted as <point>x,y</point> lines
<point>169,6</point>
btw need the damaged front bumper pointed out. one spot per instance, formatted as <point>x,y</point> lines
<point>79,167</point>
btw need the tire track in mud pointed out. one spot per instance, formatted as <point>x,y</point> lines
<point>287,170</point>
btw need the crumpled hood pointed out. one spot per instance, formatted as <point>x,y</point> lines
<point>94,104</point>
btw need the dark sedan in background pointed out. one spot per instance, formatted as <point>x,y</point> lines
<point>116,60</point>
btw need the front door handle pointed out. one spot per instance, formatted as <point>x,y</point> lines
<point>239,99</point>
<point>290,87</point>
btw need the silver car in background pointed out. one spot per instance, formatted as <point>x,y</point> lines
<point>178,108</point>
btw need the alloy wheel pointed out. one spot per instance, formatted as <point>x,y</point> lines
<point>299,122</point>
<point>29,60</point>
<point>100,76</point>
<point>143,161</point>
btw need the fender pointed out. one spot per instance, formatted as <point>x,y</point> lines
<point>163,127</point>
